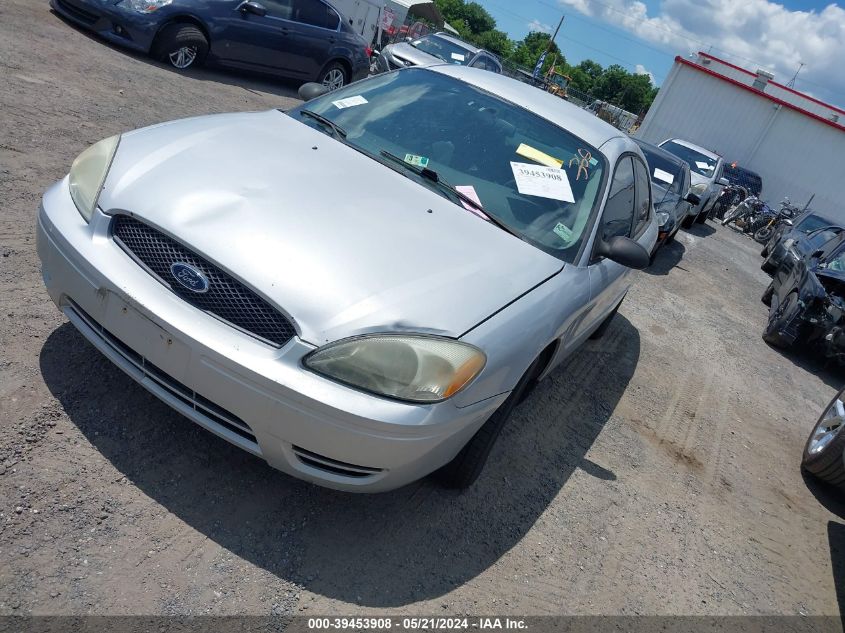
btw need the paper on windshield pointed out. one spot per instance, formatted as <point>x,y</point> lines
<point>665,176</point>
<point>417,161</point>
<point>702,165</point>
<point>542,181</point>
<point>349,102</point>
<point>458,57</point>
<point>469,192</point>
<point>536,155</point>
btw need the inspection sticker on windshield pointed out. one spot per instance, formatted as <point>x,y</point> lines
<point>665,176</point>
<point>417,161</point>
<point>349,102</point>
<point>458,57</point>
<point>563,232</point>
<point>541,181</point>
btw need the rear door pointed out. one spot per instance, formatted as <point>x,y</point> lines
<point>315,30</point>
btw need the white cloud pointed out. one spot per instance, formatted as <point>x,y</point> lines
<point>768,33</point>
<point>639,69</point>
<point>536,25</point>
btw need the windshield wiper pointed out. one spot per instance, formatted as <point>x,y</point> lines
<point>434,177</point>
<point>335,128</point>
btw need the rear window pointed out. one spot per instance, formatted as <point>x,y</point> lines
<point>813,223</point>
<point>744,178</point>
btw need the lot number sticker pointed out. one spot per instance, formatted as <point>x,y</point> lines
<point>349,102</point>
<point>665,176</point>
<point>541,181</point>
<point>458,57</point>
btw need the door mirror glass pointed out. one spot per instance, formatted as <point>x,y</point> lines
<point>255,8</point>
<point>693,199</point>
<point>625,251</point>
<point>312,90</point>
<point>723,181</point>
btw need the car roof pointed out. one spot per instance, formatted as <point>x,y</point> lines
<point>697,148</point>
<point>578,121</point>
<point>659,151</point>
<point>458,41</point>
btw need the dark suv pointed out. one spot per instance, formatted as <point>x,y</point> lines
<point>301,39</point>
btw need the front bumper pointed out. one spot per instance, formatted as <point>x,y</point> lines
<point>256,396</point>
<point>117,25</point>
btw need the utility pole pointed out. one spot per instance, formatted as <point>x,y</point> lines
<point>539,66</point>
<point>791,83</point>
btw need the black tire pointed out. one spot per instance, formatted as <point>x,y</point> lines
<point>827,463</point>
<point>779,317</point>
<point>467,465</point>
<point>767,295</point>
<point>763,235</point>
<point>334,76</point>
<point>184,38</point>
<point>701,218</point>
<point>687,222</point>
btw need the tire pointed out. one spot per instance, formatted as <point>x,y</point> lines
<point>763,235</point>
<point>825,448</point>
<point>687,222</point>
<point>767,295</point>
<point>181,45</point>
<point>701,218</point>
<point>467,465</point>
<point>778,320</point>
<point>334,76</point>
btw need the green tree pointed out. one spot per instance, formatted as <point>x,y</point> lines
<point>528,51</point>
<point>496,42</point>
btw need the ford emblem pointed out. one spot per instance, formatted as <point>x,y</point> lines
<point>189,277</point>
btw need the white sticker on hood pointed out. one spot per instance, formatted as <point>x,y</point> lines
<point>665,176</point>
<point>458,57</point>
<point>542,181</point>
<point>349,102</point>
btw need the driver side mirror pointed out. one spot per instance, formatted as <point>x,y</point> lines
<point>312,90</point>
<point>625,251</point>
<point>693,198</point>
<point>255,8</point>
<point>723,181</point>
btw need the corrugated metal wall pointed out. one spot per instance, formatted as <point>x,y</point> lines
<point>796,155</point>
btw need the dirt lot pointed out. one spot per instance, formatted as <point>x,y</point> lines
<point>657,473</point>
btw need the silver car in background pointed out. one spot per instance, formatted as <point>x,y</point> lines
<point>705,172</point>
<point>435,48</point>
<point>361,289</point>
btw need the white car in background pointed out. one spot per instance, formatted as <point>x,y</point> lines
<point>705,168</point>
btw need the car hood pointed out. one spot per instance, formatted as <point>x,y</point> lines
<point>408,53</point>
<point>697,179</point>
<point>340,242</point>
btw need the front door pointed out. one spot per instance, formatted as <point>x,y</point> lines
<point>262,43</point>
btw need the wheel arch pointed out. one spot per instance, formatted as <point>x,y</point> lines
<point>182,18</point>
<point>347,66</point>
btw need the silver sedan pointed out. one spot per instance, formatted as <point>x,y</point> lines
<point>358,290</point>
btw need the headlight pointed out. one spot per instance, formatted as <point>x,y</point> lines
<point>699,189</point>
<point>88,173</point>
<point>662,218</point>
<point>411,367</point>
<point>144,6</point>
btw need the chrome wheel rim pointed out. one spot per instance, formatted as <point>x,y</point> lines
<point>828,427</point>
<point>183,57</point>
<point>333,79</point>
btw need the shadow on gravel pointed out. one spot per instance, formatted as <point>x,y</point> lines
<point>666,258</point>
<point>383,550</point>
<point>836,538</point>
<point>833,499</point>
<point>812,361</point>
<point>701,230</point>
<point>253,82</point>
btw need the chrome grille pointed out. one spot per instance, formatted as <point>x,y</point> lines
<point>226,298</point>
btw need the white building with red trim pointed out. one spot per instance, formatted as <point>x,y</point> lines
<point>794,141</point>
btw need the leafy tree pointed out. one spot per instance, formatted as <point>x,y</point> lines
<point>496,42</point>
<point>528,51</point>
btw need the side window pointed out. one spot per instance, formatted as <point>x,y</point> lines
<point>311,12</point>
<point>643,196</point>
<point>278,8</point>
<point>332,18</point>
<point>618,214</point>
<point>480,62</point>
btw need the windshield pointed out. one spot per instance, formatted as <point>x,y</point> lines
<point>444,49</point>
<point>813,223</point>
<point>699,163</point>
<point>538,180</point>
<point>664,172</point>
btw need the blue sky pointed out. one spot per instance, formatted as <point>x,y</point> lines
<point>646,35</point>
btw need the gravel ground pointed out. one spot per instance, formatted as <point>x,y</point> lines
<point>656,473</point>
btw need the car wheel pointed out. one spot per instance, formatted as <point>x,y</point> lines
<point>701,218</point>
<point>334,76</point>
<point>767,295</point>
<point>824,453</point>
<point>181,45</point>
<point>688,221</point>
<point>779,317</point>
<point>467,465</point>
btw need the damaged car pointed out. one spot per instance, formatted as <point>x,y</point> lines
<point>807,300</point>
